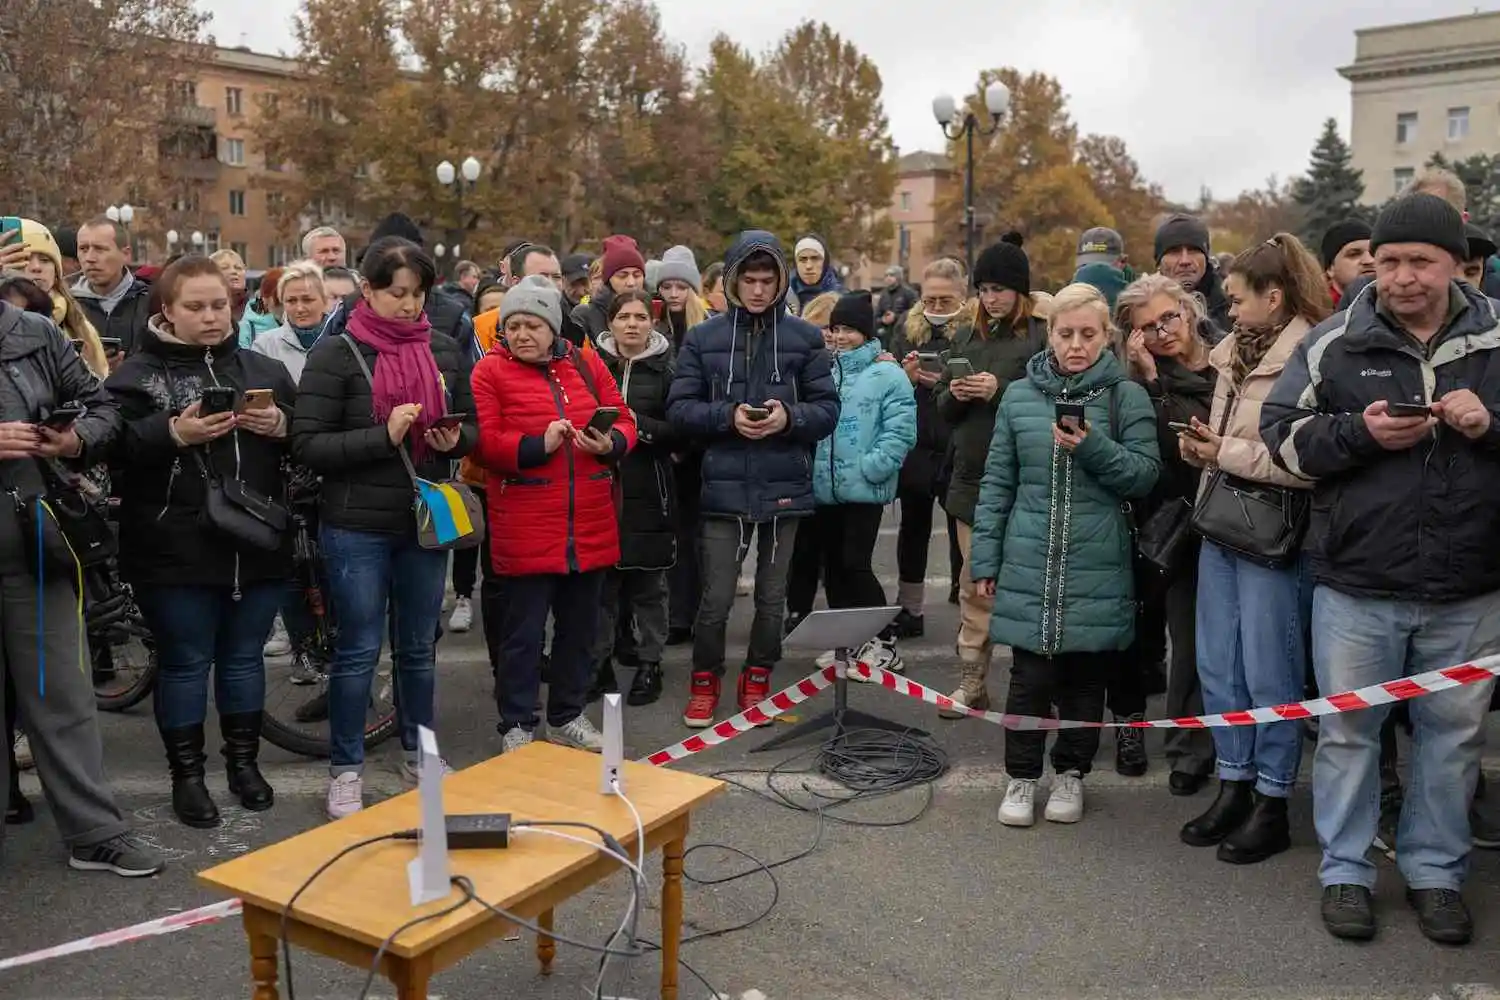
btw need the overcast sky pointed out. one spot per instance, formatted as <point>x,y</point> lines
<point>1222,95</point>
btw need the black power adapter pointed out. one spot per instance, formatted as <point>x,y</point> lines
<point>478,831</point>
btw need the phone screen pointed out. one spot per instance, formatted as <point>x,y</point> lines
<point>603,419</point>
<point>448,421</point>
<point>216,399</point>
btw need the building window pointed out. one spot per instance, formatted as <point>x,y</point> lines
<point>243,249</point>
<point>184,92</point>
<point>1406,128</point>
<point>236,203</point>
<point>281,256</point>
<point>1458,124</point>
<point>362,172</point>
<point>906,201</point>
<point>234,101</point>
<point>1403,176</point>
<point>273,202</point>
<point>234,152</point>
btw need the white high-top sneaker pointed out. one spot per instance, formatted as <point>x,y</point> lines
<point>1019,806</point>
<point>1065,804</point>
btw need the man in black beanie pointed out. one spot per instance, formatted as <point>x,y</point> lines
<point>1183,253</point>
<point>1391,412</point>
<point>1346,257</point>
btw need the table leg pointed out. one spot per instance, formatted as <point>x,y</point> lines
<point>671,914</point>
<point>546,948</point>
<point>263,966</point>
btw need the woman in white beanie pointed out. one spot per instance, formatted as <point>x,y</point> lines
<point>680,287</point>
<point>814,274</point>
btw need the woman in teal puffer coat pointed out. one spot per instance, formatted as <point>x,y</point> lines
<point>1052,542</point>
<point>856,468</point>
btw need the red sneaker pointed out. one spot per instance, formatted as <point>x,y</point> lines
<point>703,700</point>
<point>755,687</point>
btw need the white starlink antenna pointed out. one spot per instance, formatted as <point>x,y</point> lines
<point>613,757</point>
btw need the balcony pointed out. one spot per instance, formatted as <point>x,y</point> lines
<point>185,113</point>
<point>193,168</point>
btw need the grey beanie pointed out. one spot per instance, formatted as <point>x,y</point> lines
<point>537,296</point>
<point>653,270</point>
<point>679,264</point>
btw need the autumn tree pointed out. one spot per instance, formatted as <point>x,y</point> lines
<point>1131,199</point>
<point>86,99</point>
<point>1255,216</point>
<point>1332,189</point>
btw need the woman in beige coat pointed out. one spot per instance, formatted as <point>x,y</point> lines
<point>1252,650</point>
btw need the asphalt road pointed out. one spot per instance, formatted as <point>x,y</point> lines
<point>948,905</point>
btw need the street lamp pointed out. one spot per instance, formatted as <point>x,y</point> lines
<point>439,250</point>
<point>945,110</point>
<point>462,179</point>
<point>197,239</point>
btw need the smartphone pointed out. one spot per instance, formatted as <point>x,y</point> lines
<point>447,421</point>
<point>112,345</point>
<point>217,399</point>
<point>1070,416</point>
<point>603,419</point>
<point>257,399</point>
<point>1409,409</point>
<point>960,368</point>
<point>62,417</point>
<point>930,361</point>
<point>9,224</point>
<point>1188,429</point>
<point>755,414</point>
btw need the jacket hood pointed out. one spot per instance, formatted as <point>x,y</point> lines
<point>1102,374</point>
<point>81,289</point>
<point>164,345</point>
<point>853,362</point>
<point>657,345</point>
<point>747,243</point>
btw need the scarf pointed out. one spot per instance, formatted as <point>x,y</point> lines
<point>1250,345</point>
<point>404,372</point>
<point>307,336</point>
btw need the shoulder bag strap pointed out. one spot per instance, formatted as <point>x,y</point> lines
<point>359,359</point>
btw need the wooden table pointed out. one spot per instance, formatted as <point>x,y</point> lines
<point>354,906</point>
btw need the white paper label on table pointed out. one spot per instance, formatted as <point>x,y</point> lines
<point>427,873</point>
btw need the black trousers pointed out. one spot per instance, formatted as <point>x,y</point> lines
<point>914,538</point>
<point>467,563</point>
<point>806,568</point>
<point>837,544</point>
<point>1074,684</point>
<point>523,602</point>
<point>684,585</point>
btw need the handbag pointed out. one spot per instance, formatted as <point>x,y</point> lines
<point>62,531</point>
<point>1256,521</point>
<point>241,512</point>
<point>449,514</point>
<point>1161,541</point>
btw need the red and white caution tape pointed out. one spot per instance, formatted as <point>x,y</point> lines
<point>1403,689</point>
<point>747,721</point>
<point>151,928</point>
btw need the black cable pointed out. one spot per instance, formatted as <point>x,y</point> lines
<point>464,886</point>
<point>286,914</point>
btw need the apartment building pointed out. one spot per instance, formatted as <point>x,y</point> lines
<point>920,177</point>
<point>1423,88</point>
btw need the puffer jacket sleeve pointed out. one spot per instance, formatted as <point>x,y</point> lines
<point>816,412</point>
<point>1128,467</point>
<point>499,446</point>
<point>1307,443</point>
<point>997,497</point>
<point>691,407</point>
<point>898,426</point>
<point>319,439</point>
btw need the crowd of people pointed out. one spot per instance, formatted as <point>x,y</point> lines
<point>1235,480</point>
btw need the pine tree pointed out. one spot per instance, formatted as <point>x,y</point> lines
<point>1332,188</point>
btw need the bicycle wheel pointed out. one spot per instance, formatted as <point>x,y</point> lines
<point>296,713</point>
<point>124,668</point>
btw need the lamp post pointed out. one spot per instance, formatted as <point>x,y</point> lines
<point>945,110</point>
<point>197,239</point>
<point>462,179</point>
<point>124,215</point>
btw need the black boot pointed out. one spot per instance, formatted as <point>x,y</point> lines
<point>241,733</point>
<point>909,626</point>
<point>1229,811</point>
<point>190,799</point>
<point>645,688</point>
<point>604,681</point>
<point>1264,834</point>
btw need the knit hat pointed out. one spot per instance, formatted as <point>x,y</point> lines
<point>537,296</point>
<point>1006,265</point>
<point>1110,280</point>
<point>39,238</point>
<point>67,241</point>
<point>679,264</point>
<point>856,311</point>
<point>1481,244</point>
<point>1340,235</point>
<point>1182,231</point>
<point>397,224</point>
<point>620,252</point>
<point>811,242</point>
<point>1421,218</point>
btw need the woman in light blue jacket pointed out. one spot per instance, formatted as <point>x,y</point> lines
<point>856,468</point>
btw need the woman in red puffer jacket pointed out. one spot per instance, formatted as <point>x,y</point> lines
<point>554,526</point>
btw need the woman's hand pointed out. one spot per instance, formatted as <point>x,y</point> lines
<point>19,440</point>
<point>191,429</point>
<point>1139,357</point>
<point>593,442</point>
<point>13,253</point>
<point>442,439</point>
<point>1067,438</point>
<point>984,588</point>
<point>269,421</point>
<point>400,421</point>
<point>59,444</point>
<point>557,432</point>
<point>983,385</point>
<point>912,365</point>
<point>1202,448</point>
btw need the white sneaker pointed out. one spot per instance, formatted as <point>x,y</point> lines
<point>826,658</point>
<point>879,654</point>
<point>579,734</point>
<point>279,643</point>
<point>1065,804</point>
<point>346,795</point>
<point>514,739</point>
<point>1019,807</point>
<point>22,749</point>
<point>463,616</point>
<point>411,771</point>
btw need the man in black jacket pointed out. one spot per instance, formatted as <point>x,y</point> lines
<point>114,300</point>
<point>1392,409</point>
<point>1183,253</point>
<point>896,300</point>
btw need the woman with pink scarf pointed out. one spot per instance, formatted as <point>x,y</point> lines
<point>351,429</point>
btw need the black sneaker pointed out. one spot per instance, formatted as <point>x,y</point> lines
<point>1348,912</point>
<point>123,855</point>
<point>1130,749</point>
<point>793,619</point>
<point>1442,915</point>
<point>908,625</point>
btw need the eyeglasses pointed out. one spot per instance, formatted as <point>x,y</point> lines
<point>938,304</point>
<point>1165,323</point>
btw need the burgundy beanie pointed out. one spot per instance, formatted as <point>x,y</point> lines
<point>620,252</point>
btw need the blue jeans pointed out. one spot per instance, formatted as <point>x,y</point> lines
<point>198,628</point>
<point>1359,641</point>
<point>368,572</point>
<point>1252,653</point>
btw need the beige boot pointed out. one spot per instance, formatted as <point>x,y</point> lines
<point>971,692</point>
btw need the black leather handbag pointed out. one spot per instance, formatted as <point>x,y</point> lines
<point>242,513</point>
<point>1163,540</point>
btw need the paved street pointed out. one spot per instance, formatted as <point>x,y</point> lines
<point>951,905</point>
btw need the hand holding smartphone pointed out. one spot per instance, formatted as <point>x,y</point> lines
<point>757,414</point>
<point>63,417</point>
<point>217,399</point>
<point>1070,416</point>
<point>449,421</point>
<point>1191,430</point>
<point>1409,409</point>
<point>603,419</point>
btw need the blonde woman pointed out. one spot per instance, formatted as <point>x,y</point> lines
<point>44,268</point>
<point>304,303</point>
<point>232,266</point>
<point>1073,440</point>
<point>680,287</point>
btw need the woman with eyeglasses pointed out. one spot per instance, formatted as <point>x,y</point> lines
<point>1167,356</point>
<point>993,339</point>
